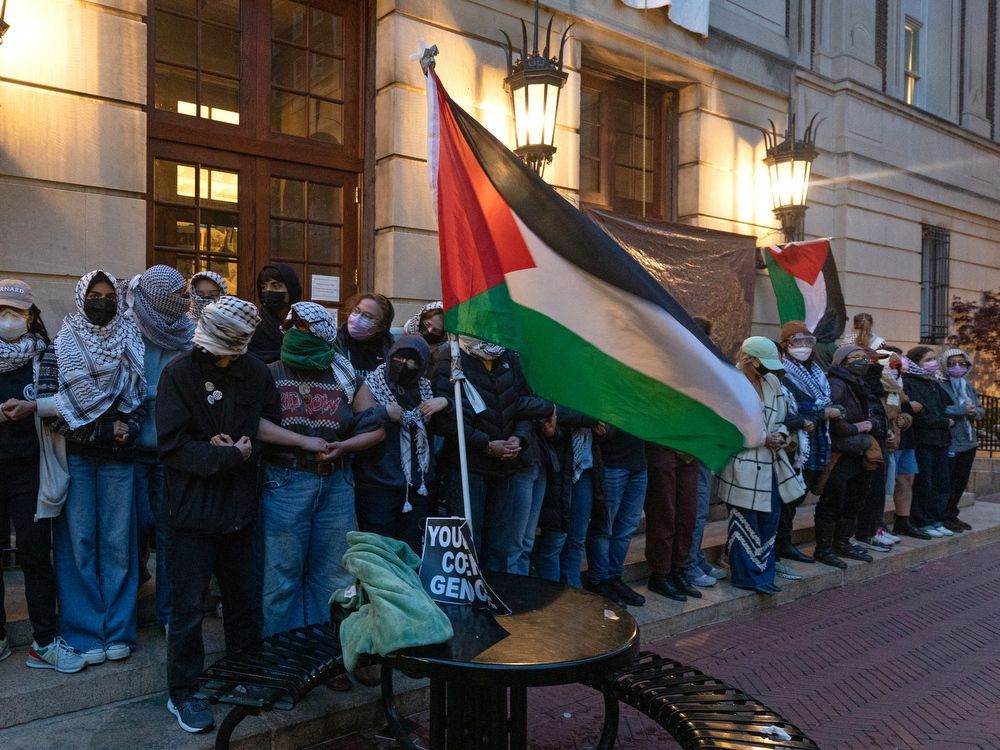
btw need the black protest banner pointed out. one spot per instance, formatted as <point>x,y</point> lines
<point>449,568</point>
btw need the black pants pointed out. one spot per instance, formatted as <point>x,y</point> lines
<point>931,486</point>
<point>845,490</point>
<point>18,499</point>
<point>380,511</point>
<point>960,467</point>
<point>872,513</point>
<point>785,524</point>
<point>192,561</point>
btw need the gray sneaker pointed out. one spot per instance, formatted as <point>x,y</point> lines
<point>193,715</point>
<point>785,570</point>
<point>697,578</point>
<point>716,573</point>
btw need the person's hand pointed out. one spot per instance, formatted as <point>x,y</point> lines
<point>394,412</point>
<point>808,427</point>
<point>951,423</point>
<point>222,439</point>
<point>312,444</point>
<point>245,446</point>
<point>916,406</point>
<point>514,444</point>
<point>432,406</point>
<point>832,412</point>
<point>331,452</point>
<point>864,426</point>
<point>891,440</point>
<point>16,410</point>
<point>774,440</point>
<point>549,426</point>
<point>121,433</point>
<point>601,430</point>
<point>501,449</point>
<point>901,420</point>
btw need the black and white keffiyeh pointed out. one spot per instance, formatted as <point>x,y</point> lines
<point>322,324</point>
<point>18,353</point>
<point>199,303</point>
<point>156,305</point>
<point>100,367</point>
<point>412,326</point>
<point>226,327</point>
<point>480,349</point>
<point>809,379</point>
<point>583,445</point>
<point>412,418</point>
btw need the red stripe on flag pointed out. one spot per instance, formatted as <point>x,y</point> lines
<point>478,237</point>
<point>803,260</point>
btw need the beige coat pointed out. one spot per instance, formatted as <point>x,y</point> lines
<point>746,480</point>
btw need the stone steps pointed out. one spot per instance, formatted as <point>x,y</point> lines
<point>123,705</point>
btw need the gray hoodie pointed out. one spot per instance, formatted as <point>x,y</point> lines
<point>963,433</point>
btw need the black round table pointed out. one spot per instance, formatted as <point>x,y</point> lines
<point>556,635</point>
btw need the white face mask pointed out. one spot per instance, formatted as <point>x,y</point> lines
<point>12,326</point>
<point>801,353</point>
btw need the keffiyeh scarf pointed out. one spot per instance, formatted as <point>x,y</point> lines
<point>412,326</point>
<point>159,310</point>
<point>411,422</point>
<point>322,324</point>
<point>809,379</point>
<point>198,303</point>
<point>100,367</point>
<point>226,327</point>
<point>480,349</point>
<point>16,354</point>
<point>583,445</point>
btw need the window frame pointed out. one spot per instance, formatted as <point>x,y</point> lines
<point>662,102</point>
<point>916,74</point>
<point>935,284</point>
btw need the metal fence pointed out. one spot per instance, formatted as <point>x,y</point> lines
<point>989,427</point>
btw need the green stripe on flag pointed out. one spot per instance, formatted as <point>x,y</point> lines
<point>563,367</point>
<point>791,305</point>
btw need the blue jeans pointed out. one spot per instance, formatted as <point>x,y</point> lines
<point>608,539</point>
<point>95,553</point>
<point>491,500</point>
<point>306,519</point>
<point>697,563</point>
<point>526,506</point>
<point>560,553</point>
<point>890,472</point>
<point>150,499</point>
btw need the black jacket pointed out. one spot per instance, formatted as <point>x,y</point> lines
<point>848,392</point>
<point>211,489</point>
<point>558,457</point>
<point>504,392</point>
<point>931,427</point>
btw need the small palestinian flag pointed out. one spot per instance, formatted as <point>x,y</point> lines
<point>521,267</point>
<point>804,279</point>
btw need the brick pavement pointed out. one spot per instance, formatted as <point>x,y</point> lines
<point>908,661</point>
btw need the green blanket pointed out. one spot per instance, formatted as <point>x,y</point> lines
<point>392,610</point>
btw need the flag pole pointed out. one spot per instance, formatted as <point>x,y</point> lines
<point>458,378</point>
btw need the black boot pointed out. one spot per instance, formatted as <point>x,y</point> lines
<point>791,552</point>
<point>631,596</point>
<point>682,585</point>
<point>662,585</point>
<point>824,544</point>
<point>905,528</point>
<point>842,544</point>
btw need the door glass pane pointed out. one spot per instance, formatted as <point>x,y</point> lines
<point>174,227</point>
<point>288,113</point>
<point>288,198</point>
<point>176,39</point>
<point>324,202</point>
<point>220,50</point>
<point>288,21</point>
<point>221,11</point>
<point>324,244</point>
<point>288,67</point>
<point>326,76</point>
<point>326,121</point>
<point>326,32</point>
<point>176,90</point>
<point>187,7</point>
<point>288,239</point>
<point>219,232</point>
<point>227,269</point>
<point>173,182</point>
<point>220,99</point>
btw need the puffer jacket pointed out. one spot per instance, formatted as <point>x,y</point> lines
<point>558,457</point>
<point>849,393</point>
<point>931,426</point>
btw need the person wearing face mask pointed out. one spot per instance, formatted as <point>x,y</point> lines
<point>756,483</point>
<point>205,288</point>
<point>395,482</point>
<point>429,324</point>
<point>159,309</point>
<point>965,411</point>
<point>308,505</point>
<point>92,387</point>
<point>364,338</point>
<point>846,482</point>
<point>278,288</point>
<point>870,534</point>
<point>24,499</point>
<point>807,383</point>
<point>931,438</point>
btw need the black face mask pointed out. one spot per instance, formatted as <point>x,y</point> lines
<point>273,301</point>
<point>400,373</point>
<point>101,311</point>
<point>857,368</point>
<point>762,371</point>
<point>435,338</point>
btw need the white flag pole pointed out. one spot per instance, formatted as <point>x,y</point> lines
<point>458,378</point>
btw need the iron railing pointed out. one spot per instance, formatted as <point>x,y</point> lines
<point>989,427</point>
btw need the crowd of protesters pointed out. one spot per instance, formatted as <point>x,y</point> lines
<point>243,443</point>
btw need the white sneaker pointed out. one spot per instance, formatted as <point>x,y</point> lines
<point>932,531</point>
<point>886,538</point>
<point>58,655</point>
<point>940,528</point>
<point>4,648</point>
<point>94,656</point>
<point>118,651</point>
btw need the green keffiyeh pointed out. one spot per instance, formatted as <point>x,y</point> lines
<point>305,351</point>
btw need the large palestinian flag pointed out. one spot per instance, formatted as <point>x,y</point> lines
<point>805,282</point>
<point>521,267</point>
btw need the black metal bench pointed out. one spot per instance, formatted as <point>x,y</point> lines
<point>287,667</point>
<point>699,711</point>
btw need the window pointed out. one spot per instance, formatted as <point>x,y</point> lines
<point>934,314</point>
<point>911,61</point>
<point>255,139</point>
<point>626,150</point>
